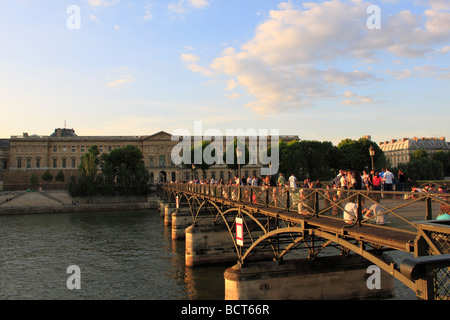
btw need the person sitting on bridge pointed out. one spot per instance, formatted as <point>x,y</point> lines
<point>377,214</point>
<point>351,210</point>
<point>445,212</point>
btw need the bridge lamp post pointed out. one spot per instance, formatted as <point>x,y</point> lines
<point>238,155</point>
<point>372,154</point>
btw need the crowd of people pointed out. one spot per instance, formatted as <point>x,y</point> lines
<point>384,180</point>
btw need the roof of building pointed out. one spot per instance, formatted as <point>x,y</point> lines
<point>63,133</point>
<point>414,144</point>
<point>4,143</point>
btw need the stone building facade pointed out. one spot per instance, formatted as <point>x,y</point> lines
<point>400,151</point>
<point>63,149</point>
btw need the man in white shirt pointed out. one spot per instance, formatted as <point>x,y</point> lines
<point>388,180</point>
<point>292,181</point>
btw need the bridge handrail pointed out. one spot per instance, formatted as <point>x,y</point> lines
<point>325,202</point>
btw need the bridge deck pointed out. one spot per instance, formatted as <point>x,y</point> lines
<point>383,236</point>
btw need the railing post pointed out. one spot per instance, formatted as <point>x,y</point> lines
<point>316,204</point>
<point>359,218</point>
<point>287,199</point>
<point>429,209</point>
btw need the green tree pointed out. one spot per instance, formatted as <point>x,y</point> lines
<point>235,162</point>
<point>199,149</point>
<point>59,176</point>
<point>355,155</point>
<point>444,158</point>
<point>419,154</point>
<point>423,169</point>
<point>89,162</point>
<point>34,180</point>
<point>87,184</point>
<point>46,176</point>
<point>308,159</point>
<point>123,172</point>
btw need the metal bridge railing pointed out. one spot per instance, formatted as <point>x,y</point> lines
<point>408,211</point>
<point>398,210</point>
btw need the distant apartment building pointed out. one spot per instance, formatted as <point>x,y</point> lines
<point>400,151</point>
<point>23,155</point>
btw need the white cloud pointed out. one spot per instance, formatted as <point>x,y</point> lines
<point>183,6</point>
<point>298,55</point>
<point>189,57</point>
<point>444,49</point>
<point>124,79</point>
<point>354,99</point>
<point>94,18</point>
<point>148,11</point>
<point>400,74</point>
<point>102,3</point>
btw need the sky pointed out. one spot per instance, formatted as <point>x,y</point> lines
<point>321,70</point>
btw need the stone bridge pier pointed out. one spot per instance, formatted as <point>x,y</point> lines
<point>210,241</point>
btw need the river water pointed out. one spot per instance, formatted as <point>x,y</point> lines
<point>121,256</point>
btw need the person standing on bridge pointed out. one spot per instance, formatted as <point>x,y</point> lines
<point>281,180</point>
<point>292,181</point>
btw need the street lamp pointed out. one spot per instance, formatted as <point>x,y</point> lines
<point>238,155</point>
<point>372,154</point>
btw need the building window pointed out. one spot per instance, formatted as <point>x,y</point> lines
<point>64,163</point>
<point>55,149</point>
<point>55,163</point>
<point>82,149</point>
<point>101,148</point>
<point>73,163</point>
<point>162,161</point>
<point>28,163</point>
<point>64,148</point>
<point>74,149</point>
<point>19,163</point>
<point>38,163</point>
<point>151,164</point>
<point>109,148</point>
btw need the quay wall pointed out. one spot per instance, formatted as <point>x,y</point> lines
<point>52,201</point>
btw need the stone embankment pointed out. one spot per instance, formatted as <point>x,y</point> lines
<point>33,201</point>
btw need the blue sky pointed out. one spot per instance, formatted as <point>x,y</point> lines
<point>307,68</point>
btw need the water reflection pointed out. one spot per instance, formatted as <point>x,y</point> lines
<point>122,255</point>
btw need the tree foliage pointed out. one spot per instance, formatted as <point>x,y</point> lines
<point>444,158</point>
<point>308,159</point>
<point>423,169</point>
<point>200,149</point>
<point>355,155</point>
<point>47,176</point>
<point>122,172</point>
<point>233,162</point>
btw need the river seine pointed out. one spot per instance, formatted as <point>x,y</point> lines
<point>125,255</point>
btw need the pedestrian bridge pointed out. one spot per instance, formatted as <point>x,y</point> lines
<point>276,221</point>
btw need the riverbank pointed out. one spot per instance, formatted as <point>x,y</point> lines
<point>33,201</point>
